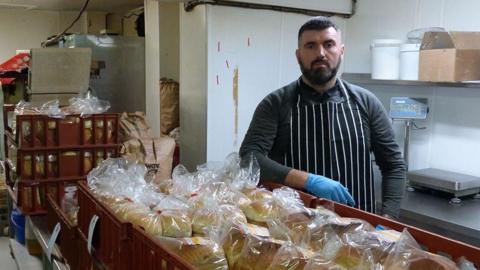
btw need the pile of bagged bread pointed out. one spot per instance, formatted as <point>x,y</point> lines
<point>217,218</point>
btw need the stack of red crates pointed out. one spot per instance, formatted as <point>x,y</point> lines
<point>45,154</point>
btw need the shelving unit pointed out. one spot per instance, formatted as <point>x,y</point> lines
<point>365,78</point>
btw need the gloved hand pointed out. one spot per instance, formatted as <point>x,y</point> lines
<point>327,188</point>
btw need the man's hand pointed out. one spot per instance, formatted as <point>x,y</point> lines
<point>329,189</point>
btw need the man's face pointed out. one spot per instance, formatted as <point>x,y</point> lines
<point>320,54</point>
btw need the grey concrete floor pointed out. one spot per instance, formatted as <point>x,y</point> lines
<point>6,260</point>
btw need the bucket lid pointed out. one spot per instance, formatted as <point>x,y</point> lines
<point>386,42</point>
<point>410,47</point>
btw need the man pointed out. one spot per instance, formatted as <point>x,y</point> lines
<point>318,132</point>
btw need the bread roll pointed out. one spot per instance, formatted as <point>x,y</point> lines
<point>261,210</point>
<point>205,219</point>
<point>290,257</point>
<point>257,253</point>
<point>151,224</point>
<point>176,223</point>
<point>416,259</point>
<point>235,236</point>
<point>202,253</point>
<point>232,213</point>
<point>129,211</point>
<point>258,194</point>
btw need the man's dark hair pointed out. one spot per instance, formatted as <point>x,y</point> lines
<point>318,23</point>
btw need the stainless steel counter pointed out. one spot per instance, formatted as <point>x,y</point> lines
<point>434,213</point>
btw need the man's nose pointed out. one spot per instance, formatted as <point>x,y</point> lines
<point>321,52</point>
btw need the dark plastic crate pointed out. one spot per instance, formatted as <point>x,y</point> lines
<point>31,196</point>
<point>68,236</point>
<point>33,131</point>
<point>112,238</point>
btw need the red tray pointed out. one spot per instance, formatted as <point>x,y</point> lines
<point>73,130</point>
<point>111,240</point>
<point>148,254</point>
<point>68,236</point>
<point>31,196</point>
<point>433,242</point>
<point>45,165</point>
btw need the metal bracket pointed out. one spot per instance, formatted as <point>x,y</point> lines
<point>190,5</point>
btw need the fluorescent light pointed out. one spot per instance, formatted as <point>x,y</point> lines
<point>16,6</point>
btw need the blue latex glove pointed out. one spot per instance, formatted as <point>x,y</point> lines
<point>327,188</point>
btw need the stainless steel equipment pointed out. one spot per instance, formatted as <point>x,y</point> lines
<point>118,69</point>
<point>451,182</point>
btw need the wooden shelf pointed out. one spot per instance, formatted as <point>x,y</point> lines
<point>365,78</point>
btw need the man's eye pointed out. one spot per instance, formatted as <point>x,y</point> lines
<point>329,45</point>
<point>310,46</point>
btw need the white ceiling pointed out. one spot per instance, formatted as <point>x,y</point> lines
<point>94,5</point>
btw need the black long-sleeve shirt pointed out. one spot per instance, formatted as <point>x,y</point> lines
<point>268,135</point>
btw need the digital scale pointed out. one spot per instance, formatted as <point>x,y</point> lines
<point>409,109</point>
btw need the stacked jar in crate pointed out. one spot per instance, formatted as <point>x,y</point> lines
<point>46,155</point>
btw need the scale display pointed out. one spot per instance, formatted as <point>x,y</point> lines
<point>408,108</point>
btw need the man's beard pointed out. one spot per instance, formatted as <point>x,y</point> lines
<point>319,76</point>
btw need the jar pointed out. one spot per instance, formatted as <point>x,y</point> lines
<point>51,133</point>
<point>40,165</point>
<point>52,167</point>
<point>70,203</point>
<point>109,131</point>
<point>87,132</point>
<point>53,191</point>
<point>27,198</point>
<point>99,159</point>
<point>27,166</point>
<point>87,162</point>
<point>99,131</point>
<point>26,132</point>
<point>39,133</point>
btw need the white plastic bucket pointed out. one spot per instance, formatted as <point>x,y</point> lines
<point>386,59</point>
<point>409,55</point>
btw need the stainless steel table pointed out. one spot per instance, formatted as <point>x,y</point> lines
<point>430,211</point>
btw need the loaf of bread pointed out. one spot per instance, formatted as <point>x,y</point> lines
<point>202,253</point>
<point>261,210</point>
<point>257,194</point>
<point>290,257</point>
<point>417,259</point>
<point>234,237</point>
<point>176,223</point>
<point>257,253</point>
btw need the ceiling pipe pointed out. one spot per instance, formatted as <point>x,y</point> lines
<point>190,5</point>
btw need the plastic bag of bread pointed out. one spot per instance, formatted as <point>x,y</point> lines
<point>212,216</point>
<point>294,227</point>
<point>320,263</point>
<point>233,237</point>
<point>175,223</point>
<point>151,223</point>
<point>257,253</point>
<point>365,250</point>
<point>407,255</point>
<point>328,230</point>
<point>283,201</point>
<point>290,257</point>
<point>128,210</point>
<point>186,184</point>
<point>242,173</point>
<point>200,252</point>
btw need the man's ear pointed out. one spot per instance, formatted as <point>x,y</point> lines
<point>297,54</point>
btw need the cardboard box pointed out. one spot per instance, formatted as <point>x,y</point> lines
<point>450,57</point>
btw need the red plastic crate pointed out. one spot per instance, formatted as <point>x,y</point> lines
<point>33,131</point>
<point>46,165</point>
<point>148,254</point>
<point>68,236</point>
<point>111,238</point>
<point>433,242</point>
<point>31,196</point>
<point>85,260</point>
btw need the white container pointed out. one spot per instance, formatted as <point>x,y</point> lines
<point>409,55</point>
<point>386,59</point>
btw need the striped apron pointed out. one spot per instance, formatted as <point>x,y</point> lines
<point>329,139</point>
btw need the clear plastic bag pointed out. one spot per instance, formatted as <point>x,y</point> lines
<point>320,263</point>
<point>290,257</point>
<point>200,252</point>
<point>257,253</point>
<point>233,236</point>
<point>407,255</point>
<point>365,250</point>
<point>70,203</point>
<point>175,223</point>
<point>86,104</point>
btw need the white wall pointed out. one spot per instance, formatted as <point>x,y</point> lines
<point>21,29</point>
<point>169,23</point>
<point>450,141</point>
